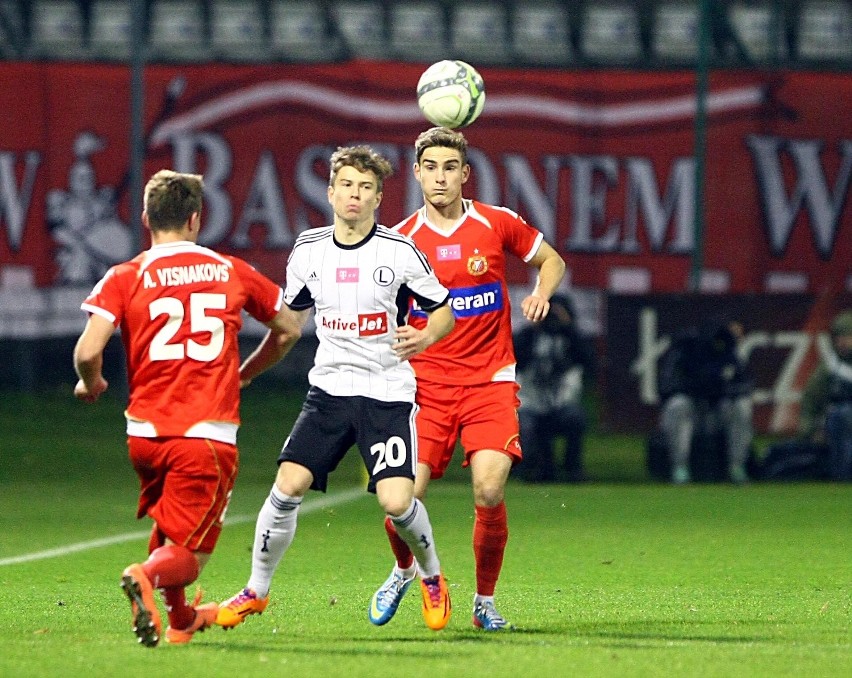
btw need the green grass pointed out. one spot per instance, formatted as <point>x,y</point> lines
<point>617,577</point>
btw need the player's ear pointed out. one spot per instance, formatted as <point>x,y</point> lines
<point>465,173</point>
<point>330,193</point>
<point>379,198</point>
<point>145,221</point>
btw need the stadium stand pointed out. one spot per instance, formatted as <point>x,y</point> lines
<point>759,27</point>
<point>825,32</point>
<point>301,32</point>
<point>524,33</point>
<point>610,33</point>
<point>479,33</point>
<point>541,33</point>
<point>417,31</point>
<point>675,32</point>
<point>57,30</point>
<point>238,31</point>
<point>109,30</point>
<point>11,30</point>
<point>361,24</point>
<point>177,31</point>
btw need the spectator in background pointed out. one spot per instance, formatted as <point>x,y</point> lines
<point>705,389</point>
<point>553,361</point>
<point>826,412</point>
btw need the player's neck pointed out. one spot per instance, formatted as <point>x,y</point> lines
<point>165,237</point>
<point>445,216</point>
<point>351,233</point>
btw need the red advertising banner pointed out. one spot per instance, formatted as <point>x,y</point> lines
<point>602,162</point>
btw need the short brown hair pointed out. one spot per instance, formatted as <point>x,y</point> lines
<point>443,137</point>
<point>171,198</point>
<point>362,158</point>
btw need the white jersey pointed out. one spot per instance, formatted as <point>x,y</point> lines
<point>360,294</point>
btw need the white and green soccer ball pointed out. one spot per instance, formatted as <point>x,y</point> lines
<point>451,93</point>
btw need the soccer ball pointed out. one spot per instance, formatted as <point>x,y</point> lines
<point>451,93</point>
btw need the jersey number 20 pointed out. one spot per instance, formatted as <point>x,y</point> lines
<point>392,453</point>
<point>162,347</point>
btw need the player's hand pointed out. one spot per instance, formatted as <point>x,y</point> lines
<point>535,308</point>
<point>410,341</point>
<point>90,395</point>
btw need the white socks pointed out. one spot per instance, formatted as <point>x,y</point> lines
<point>414,528</point>
<point>273,534</point>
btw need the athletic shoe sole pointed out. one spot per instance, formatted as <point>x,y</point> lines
<point>145,616</point>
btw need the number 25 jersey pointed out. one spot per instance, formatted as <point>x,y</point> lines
<point>179,309</point>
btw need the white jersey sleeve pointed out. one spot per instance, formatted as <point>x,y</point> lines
<point>296,293</point>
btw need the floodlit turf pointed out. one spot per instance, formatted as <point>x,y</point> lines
<point>601,579</point>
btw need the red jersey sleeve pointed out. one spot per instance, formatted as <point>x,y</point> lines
<point>110,295</point>
<point>263,297</point>
<point>517,235</point>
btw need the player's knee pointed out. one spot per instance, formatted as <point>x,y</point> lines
<point>395,495</point>
<point>488,494</point>
<point>395,506</point>
<point>294,480</point>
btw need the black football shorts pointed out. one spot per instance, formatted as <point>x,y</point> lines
<point>328,426</point>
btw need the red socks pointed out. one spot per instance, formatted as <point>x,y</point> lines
<point>490,534</point>
<point>171,568</point>
<point>404,556</point>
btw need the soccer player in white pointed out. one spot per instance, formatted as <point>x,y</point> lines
<point>358,276</point>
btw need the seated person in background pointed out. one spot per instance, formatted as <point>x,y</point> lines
<point>553,359</point>
<point>704,387</point>
<point>826,412</point>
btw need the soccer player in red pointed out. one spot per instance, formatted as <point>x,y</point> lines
<point>178,306</point>
<point>466,384</point>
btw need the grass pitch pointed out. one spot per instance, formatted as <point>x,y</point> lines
<point>617,577</point>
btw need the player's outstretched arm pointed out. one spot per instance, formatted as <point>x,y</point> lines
<point>285,329</point>
<point>551,269</point>
<point>411,341</point>
<point>89,358</point>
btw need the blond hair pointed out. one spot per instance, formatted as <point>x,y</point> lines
<point>362,158</point>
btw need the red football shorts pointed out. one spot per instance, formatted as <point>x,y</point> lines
<point>185,486</point>
<point>485,416</point>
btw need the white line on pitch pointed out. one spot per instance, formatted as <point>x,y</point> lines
<point>309,507</point>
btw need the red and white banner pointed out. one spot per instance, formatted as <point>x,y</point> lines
<point>602,162</point>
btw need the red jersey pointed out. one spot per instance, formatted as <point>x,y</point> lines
<point>470,260</point>
<point>179,309</point>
